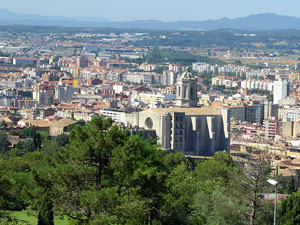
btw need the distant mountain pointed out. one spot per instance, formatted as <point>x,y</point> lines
<point>257,22</point>
<point>8,17</point>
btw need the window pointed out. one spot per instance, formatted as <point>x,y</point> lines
<point>149,123</point>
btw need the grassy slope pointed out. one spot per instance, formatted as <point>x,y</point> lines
<point>22,215</point>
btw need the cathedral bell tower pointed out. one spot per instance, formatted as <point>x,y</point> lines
<point>186,90</point>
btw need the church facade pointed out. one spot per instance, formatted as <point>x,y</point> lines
<point>187,128</point>
<point>192,131</point>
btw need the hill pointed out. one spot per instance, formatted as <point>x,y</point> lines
<point>256,22</point>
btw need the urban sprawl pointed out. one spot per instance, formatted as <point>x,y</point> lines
<point>240,101</point>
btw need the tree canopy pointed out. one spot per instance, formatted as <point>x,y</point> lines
<point>101,174</point>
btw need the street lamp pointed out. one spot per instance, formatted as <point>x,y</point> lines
<point>274,182</point>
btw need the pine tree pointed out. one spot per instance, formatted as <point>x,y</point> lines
<point>46,211</point>
<point>291,185</point>
<point>289,210</point>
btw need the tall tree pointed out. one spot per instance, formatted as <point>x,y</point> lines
<point>217,198</point>
<point>45,216</point>
<point>179,197</point>
<point>139,164</point>
<point>4,143</point>
<point>81,168</point>
<point>106,176</point>
<point>250,182</point>
<point>291,185</point>
<point>93,144</point>
<point>289,210</point>
<point>62,139</point>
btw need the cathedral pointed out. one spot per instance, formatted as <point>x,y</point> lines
<point>186,91</point>
<point>187,128</point>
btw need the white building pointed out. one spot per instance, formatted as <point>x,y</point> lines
<point>169,77</point>
<point>120,88</point>
<point>116,115</point>
<point>292,114</point>
<point>281,90</point>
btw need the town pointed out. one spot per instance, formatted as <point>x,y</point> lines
<point>51,82</point>
<point>197,100</point>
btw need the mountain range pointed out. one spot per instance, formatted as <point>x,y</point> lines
<point>267,21</point>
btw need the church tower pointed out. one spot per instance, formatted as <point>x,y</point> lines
<point>186,90</point>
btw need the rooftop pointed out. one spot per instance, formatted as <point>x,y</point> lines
<point>187,111</point>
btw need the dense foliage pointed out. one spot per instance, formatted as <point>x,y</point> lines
<point>289,210</point>
<point>101,174</point>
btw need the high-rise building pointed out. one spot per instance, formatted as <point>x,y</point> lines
<point>254,114</point>
<point>169,77</point>
<point>65,94</point>
<point>271,128</point>
<point>270,110</point>
<point>281,90</point>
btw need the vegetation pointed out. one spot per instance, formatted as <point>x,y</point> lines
<point>263,93</point>
<point>46,211</point>
<point>289,210</point>
<point>101,174</point>
<point>4,143</point>
<point>184,58</point>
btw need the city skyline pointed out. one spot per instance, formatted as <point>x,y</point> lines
<point>156,10</point>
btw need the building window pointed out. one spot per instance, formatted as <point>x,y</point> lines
<point>149,123</point>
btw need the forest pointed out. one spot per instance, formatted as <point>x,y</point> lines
<point>102,174</point>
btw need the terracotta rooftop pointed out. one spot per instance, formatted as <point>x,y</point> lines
<point>63,122</point>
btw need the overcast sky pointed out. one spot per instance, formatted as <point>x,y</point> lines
<point>167,10</point>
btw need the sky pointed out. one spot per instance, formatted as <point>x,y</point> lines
<point>166,10</point>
